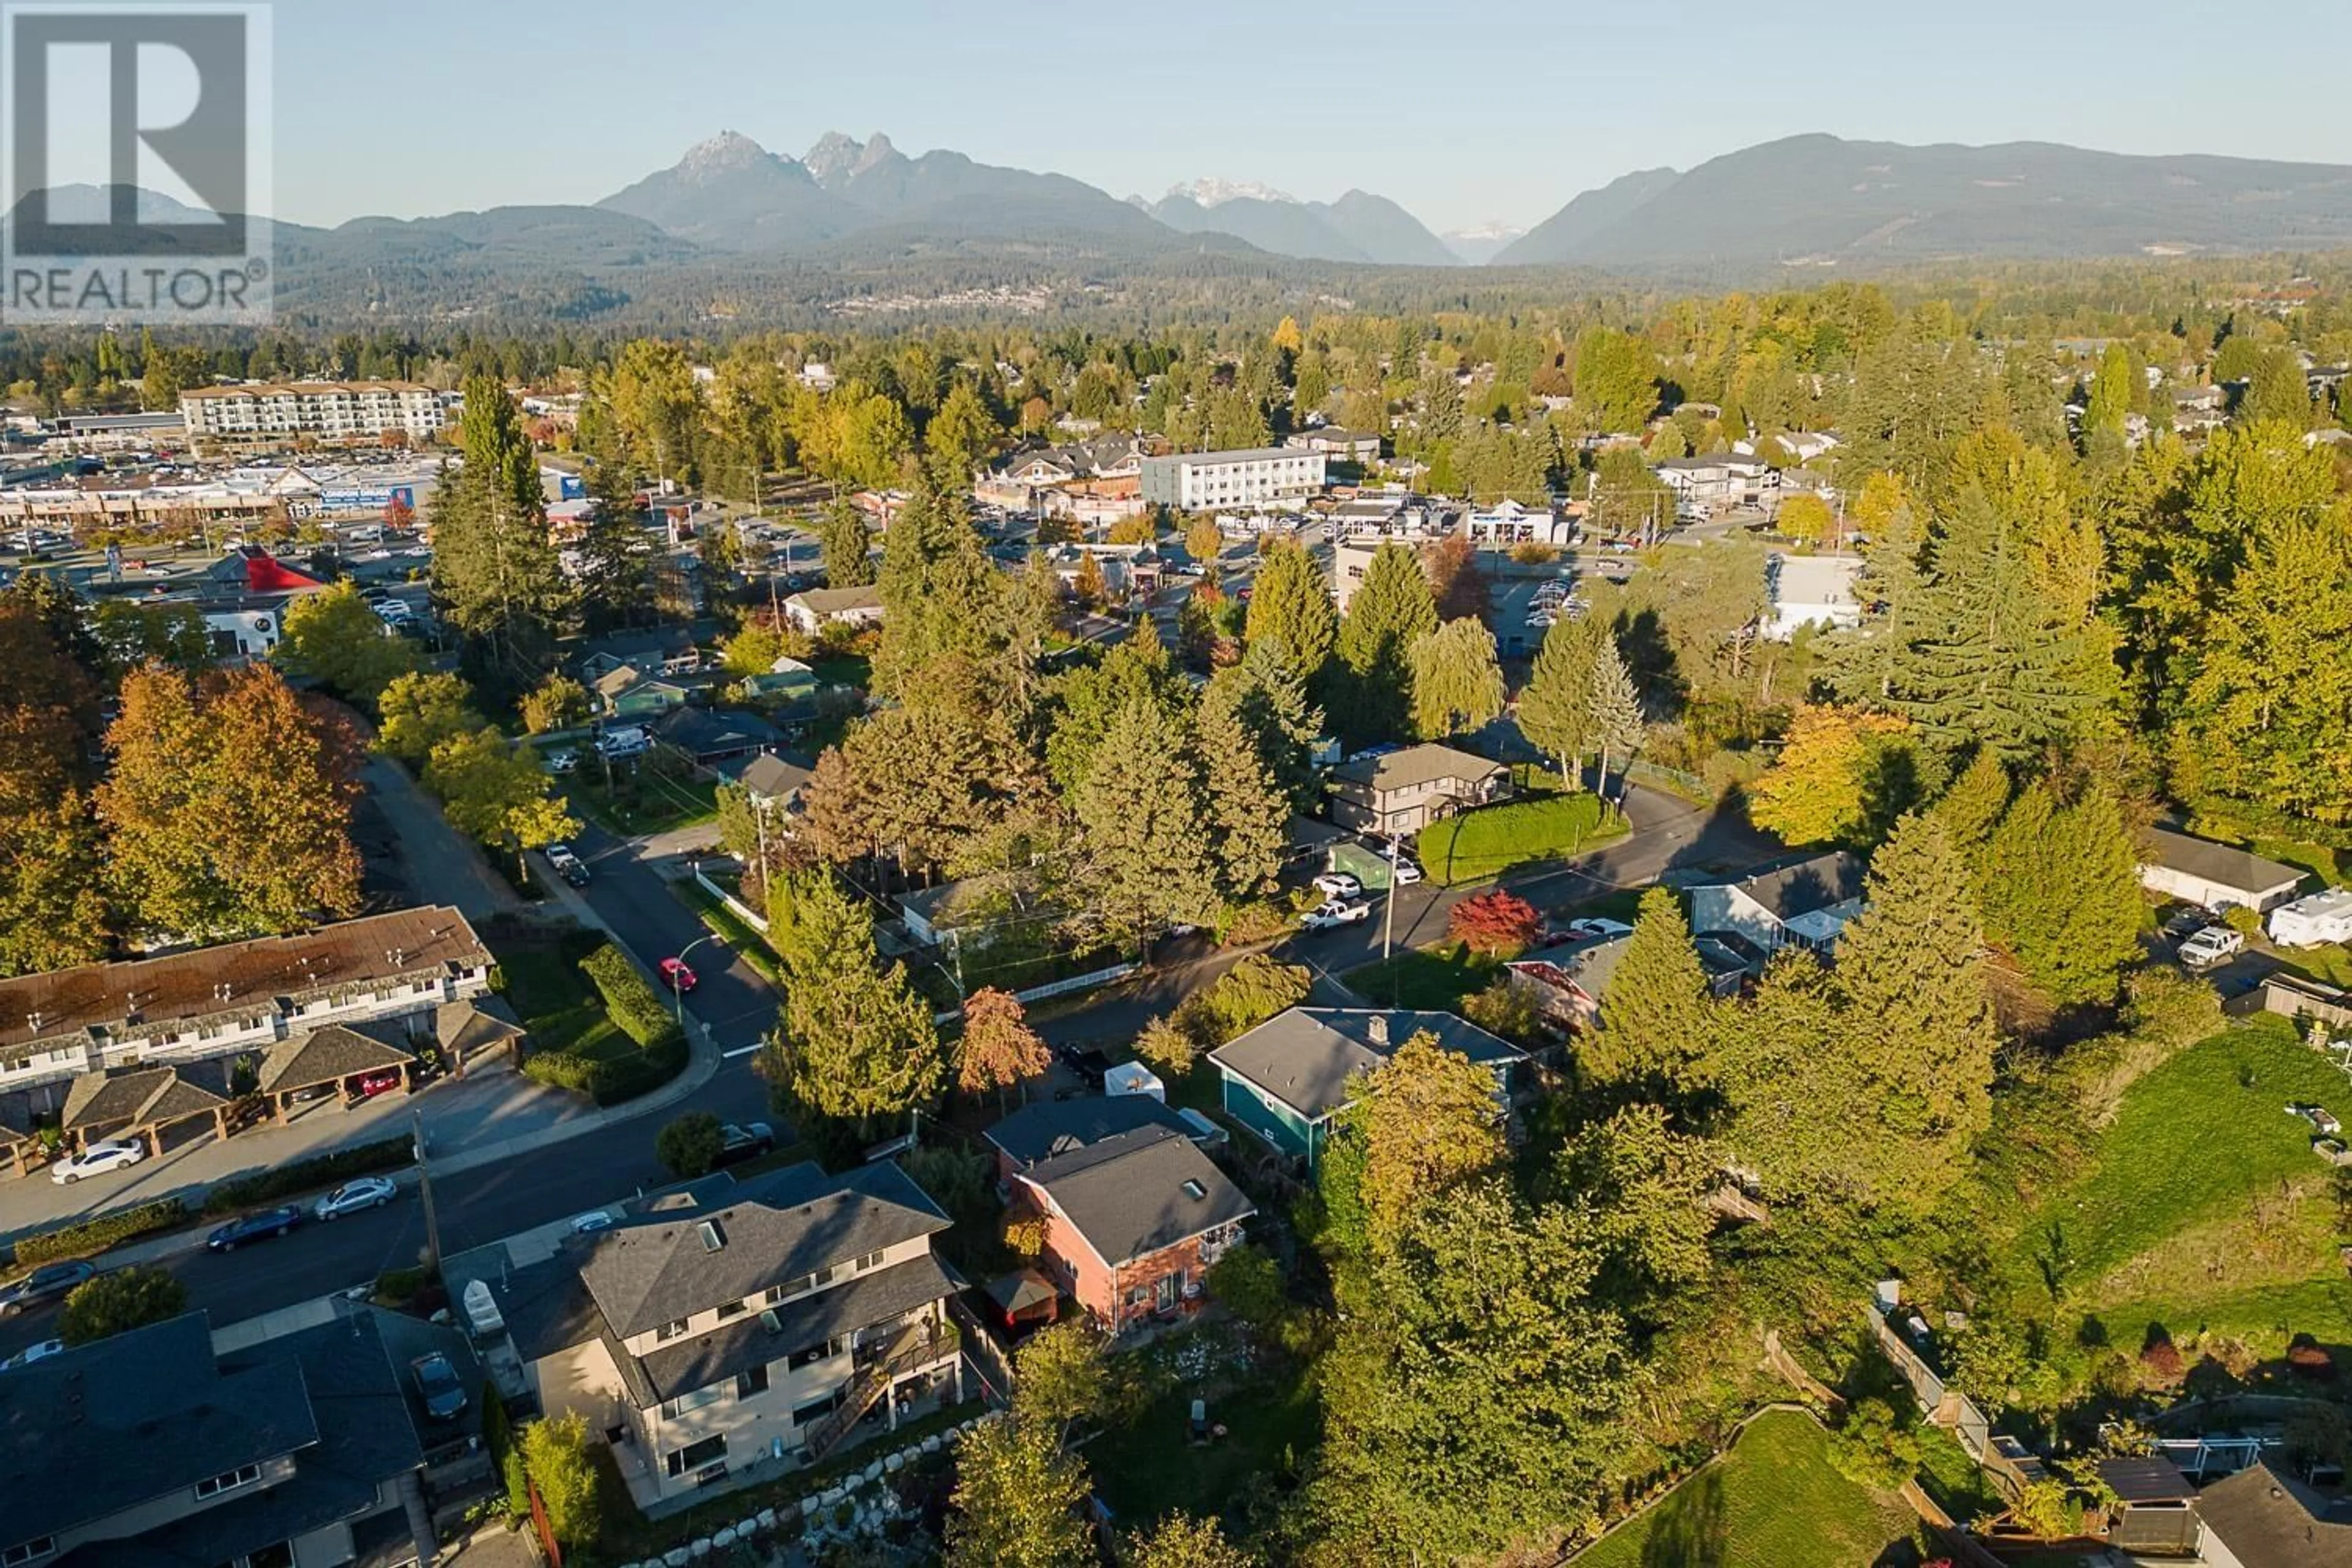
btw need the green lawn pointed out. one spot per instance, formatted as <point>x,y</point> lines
<point>1956,1483</point>
<point>2205,1206</point>
<point>741,939</point>
<point>1483,844</point>
<point>1424,977</point>
<point>558,1006</point>
<point>1147,1470</point>
<point>1773,1501</point>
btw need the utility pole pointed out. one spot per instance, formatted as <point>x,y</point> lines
<point>424,1190</point>
<point>1388,927</point>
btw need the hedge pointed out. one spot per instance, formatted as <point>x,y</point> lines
<point>610,1081</point>
<point>630,1003</point>
<point>1484,843</point>
<point>309,1176</point>
<point>92,1237</point>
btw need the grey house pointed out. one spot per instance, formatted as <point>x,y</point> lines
<point>308,1450</point>
<point>1286,1080</point>
<point>1806,901</point>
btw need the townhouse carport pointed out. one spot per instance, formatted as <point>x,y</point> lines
<point>334,1057</point>
<point>141,1104</point>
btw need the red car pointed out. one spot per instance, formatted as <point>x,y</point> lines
<point>677,975</point>
<point>376,1083</point>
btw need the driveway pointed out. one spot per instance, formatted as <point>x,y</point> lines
<point>440,865</point>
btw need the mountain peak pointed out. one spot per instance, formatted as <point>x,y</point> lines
<point>832,154</point>
<point>1210,193</point>
<point>723,153</point>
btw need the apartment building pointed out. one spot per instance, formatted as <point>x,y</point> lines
<point>732,1325</point>
<point>210,1003</point>
<point>1260,476</point>
<point>331,412</point>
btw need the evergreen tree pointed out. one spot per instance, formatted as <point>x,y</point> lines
<point>1865,663</point>
<point>2110,400</point>
<point>1972,808</point>
<point>1909,982</point>
<point>616,587</point>
<point>1247,811</point>
<point>495,575</point>
<point>941,593</point>
<point>855,1042</point>
<point>1457,682</point>
<point>846,546</point>
<point>1088,700</point>
<point>1657,1018</point>
<point>2061,891</point>
<point>1391,610</point>
<point>1616,709</point>
<point>2276,392</point>
<point>1290,606</point>
<point>1144,827</point>
<point>1265,694</point>
<point>1555,710</point>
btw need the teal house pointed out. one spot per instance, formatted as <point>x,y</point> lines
<point>1287,1080</point>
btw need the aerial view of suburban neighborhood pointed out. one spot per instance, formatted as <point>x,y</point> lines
<point>869,858</point>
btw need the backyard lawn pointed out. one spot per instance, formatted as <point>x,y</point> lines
<point>1773,1501</point>
<point>2205,1207</point>
<point>1147,1470</point>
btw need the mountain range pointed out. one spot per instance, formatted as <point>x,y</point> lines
<point>732,229</point>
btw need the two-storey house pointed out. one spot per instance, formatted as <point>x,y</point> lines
<point>735,1324</point>
<point>1403,792</point>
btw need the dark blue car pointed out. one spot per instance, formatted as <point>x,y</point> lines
<point>253,1227</point>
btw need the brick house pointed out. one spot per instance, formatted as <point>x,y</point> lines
<point>1050,1128</point>
<point>1133,1223</point>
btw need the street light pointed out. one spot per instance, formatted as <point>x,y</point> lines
<point>677,991</point>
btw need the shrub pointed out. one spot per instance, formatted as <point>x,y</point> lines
<point>116,1303</point>
<point>1874,1447</point>
<point>2171,1009</point>
<point>2160,1355</point>
<point>2241,919</point>
<point>1487,842</point>
<point>1251,992</point>
<point>92,1237</point>
<point>309,1175</point>
<point>1496,922</point>
<point>1249,1284</point>
<point>498,1436</point>
<point>1505,1010</point>
<point>630,1002</point>
<point>689,1145</point>
<point>1024,1235</point>
<point>611,1080</point>
<point>398,1287</point>
<point>1255,921</point>
<point>1168,1046</point>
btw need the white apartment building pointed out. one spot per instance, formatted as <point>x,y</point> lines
<point>1205,481</point>
<point>278,413</point>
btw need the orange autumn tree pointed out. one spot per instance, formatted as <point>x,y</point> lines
<point>999,1049</point>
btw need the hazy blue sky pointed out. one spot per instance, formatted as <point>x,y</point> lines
<point>1465,111</point>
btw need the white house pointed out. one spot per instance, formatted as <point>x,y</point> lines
<point>813,609</point>
<point>1811,591</point>
<point>2214,875</point>
<point>1807,902</point>
<point>1256,477</point>
<point>1706,486</point>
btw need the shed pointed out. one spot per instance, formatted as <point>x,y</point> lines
<point>1134,1077</point>
<point>465,1029</point>
<point>1026,1297</point>
<point>2215,875</point>
<point>2156,1508</point>
<point>142,1104</point>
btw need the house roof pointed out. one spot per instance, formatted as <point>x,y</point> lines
<point>239,978</point>
<point>1210,460</point>
<point>1054,1127</point>
<point>650,1271</point>
<point>1305,1055</point>
<point>2218,863</point>
<point>706,730</point>
<point>71,1420</point>
<point>2154,1479</point>
<point>684,1365</point>
<point>836,600</point>
<point>2269,1520</point>
<point>777,775</point>
<point>325,1056</point>
<point>467,1027</point>
<point>1805,886</point>
<point>1587,964</point>
<point>1133,1194</point>
<point>141,1098</point>
<point>1426,763</point>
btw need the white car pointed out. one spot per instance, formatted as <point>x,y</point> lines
<point>96,1161</point>
<point>365,1193</point>
<point>2211,946</point>
<point>614,744</point>
<point>562,761</point>
<point>1338,885</point>
<point>1542,618</point>
<point>32,1354</point>
<point>1407,873</point>
<point>591,1223</point>
<point>1334,914</point>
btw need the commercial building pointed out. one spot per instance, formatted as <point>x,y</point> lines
<point>1259,477</point>
<point>265,415</point>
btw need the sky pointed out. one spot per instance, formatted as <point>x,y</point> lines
<point>1465,112</point>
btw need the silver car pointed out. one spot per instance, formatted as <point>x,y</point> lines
<point>364,1193</point>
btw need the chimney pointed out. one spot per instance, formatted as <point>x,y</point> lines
<point>1377,1025</point>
